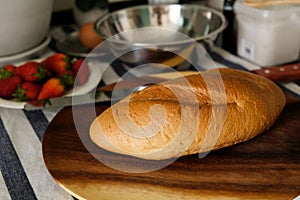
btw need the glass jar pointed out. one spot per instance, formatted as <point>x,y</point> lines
<point>152,2</point>
<point>85,11</point>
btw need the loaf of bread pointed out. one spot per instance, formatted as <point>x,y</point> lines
<point>189,115</point>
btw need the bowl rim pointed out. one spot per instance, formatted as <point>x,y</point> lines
<point>222,26</point>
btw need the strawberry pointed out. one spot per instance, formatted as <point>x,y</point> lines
<point>51,88</point>
<point>58,63</point>
<point>31,71</point>
<point>7,71</point>
<point>27,91</point>
<point>81,70</point>
<point>76,65</point>
<point>10,68</point>
<point>8,86</point>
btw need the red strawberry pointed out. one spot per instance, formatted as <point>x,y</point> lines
<point>52,88</point>
<point>10,68</point>
<point>31,71</point>
<point>58,63</point>
<point>8,86</point>
<point>82,71</point>
<point>7,71</point>
<point>27,91</point>
<point>76,65</point>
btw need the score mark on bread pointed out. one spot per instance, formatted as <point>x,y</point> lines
<point>176,128</point>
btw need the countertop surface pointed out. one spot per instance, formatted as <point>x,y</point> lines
<point>23,171</point>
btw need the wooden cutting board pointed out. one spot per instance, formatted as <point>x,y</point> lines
<point>266,167</point>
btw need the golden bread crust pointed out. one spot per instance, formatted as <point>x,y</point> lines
<point>189,115</point>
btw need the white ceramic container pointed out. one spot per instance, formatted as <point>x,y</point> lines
<point>24,24</point>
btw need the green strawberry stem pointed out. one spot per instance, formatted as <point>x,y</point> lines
<point>41,72</point>
<point>5,73</point>
<point>67,80</point>
<point>20,94</point>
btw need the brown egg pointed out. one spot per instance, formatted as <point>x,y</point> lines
<point>88,37</point>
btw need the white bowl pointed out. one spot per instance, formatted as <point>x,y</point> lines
<point>23,24</point>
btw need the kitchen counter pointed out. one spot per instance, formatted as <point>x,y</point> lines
<point>23,174</point>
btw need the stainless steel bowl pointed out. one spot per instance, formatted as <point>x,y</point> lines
<point>162,34</point>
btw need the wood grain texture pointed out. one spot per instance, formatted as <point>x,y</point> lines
<point>266,167</point>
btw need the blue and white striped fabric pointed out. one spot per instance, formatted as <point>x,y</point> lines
<point>23,174</point>
<point>21,162</point>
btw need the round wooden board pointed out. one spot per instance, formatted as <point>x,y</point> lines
<point>266,167</point>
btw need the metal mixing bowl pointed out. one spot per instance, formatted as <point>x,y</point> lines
<point>162,34</point>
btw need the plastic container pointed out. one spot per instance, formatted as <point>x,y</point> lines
<point>268,36</point>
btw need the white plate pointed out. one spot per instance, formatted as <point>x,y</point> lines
<point>96,72</point>
<point>25,55</point>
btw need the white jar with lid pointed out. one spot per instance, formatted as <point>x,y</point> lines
<point>268,36</point>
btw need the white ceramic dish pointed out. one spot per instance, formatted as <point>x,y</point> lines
<point>25,55</point>
<point>94,79</point>
<point>24,24</point>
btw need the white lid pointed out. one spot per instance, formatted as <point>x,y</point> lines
<point>266,13</point>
